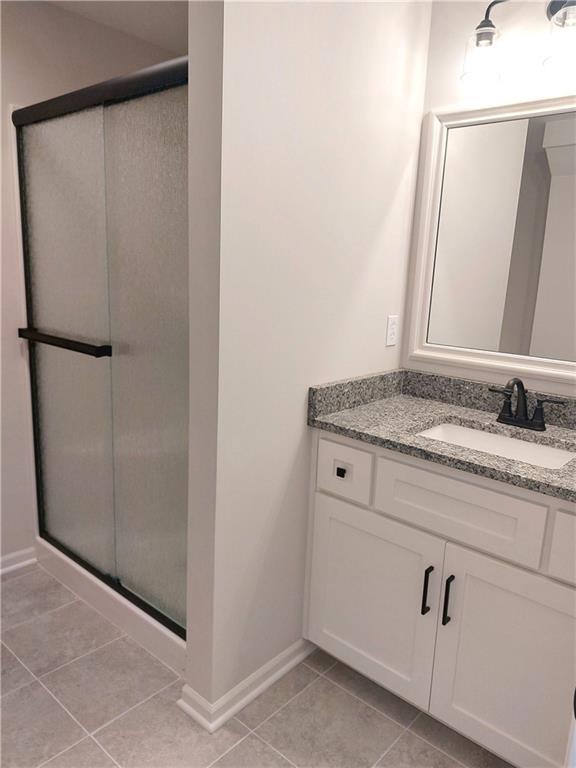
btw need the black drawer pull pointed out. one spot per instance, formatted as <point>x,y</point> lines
<point>445,616</point>
<point>425,608</point>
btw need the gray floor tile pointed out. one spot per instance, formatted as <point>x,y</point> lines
<point>14,675</point>
<point>373,694</point>
<point>86,754</point>
<point>31,596</point>
<point>158,733</point>
<point>19,572</point>
<point>411,752</point>
<point>34,727</point>
<point>325,726</point>
<point>459,747</point>
<point>252,753</point>
<point>319,661</point>
<point>59,637</point>
<point>108,681</point>
<point>277,695</point>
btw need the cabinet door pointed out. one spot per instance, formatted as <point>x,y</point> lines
<point>505,664</point>
<point>367,590</point>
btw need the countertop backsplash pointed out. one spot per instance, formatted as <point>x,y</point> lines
<point>350,393</point>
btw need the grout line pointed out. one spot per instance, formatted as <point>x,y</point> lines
<point>100,746</point>
<point>367,704</point>
<point>82,656</point>
<point>359,698</point>
<point>37,679</point>
<point>41,615</point>
<point>45,762</point>
<point>318,671</point>
<point>275,750</point>
<point>240,740</point>
<point>125,712</point>
<point>105,618</point>
<point>396,740</point>
<point>276,711</point>
<point>442,751</point>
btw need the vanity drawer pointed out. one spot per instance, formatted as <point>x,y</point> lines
<point>562,562</point>
<point>500,523</point>
<point>344,471</point>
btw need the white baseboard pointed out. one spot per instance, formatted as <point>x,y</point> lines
<point>213,716</point>
<point>129,618</point>
<point>16,560</point>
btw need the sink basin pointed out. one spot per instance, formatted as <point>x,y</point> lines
<point>500,445</point>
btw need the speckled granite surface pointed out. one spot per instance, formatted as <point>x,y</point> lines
<point>395,421</point>
<point>477,395</point>
<point>392,420</point>
<point>329,398</point>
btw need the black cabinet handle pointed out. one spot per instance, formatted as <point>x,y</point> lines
<point>445,616</point>
<point>101,350</point>
<point>425,608</point>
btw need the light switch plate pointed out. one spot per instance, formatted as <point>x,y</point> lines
<point>392,330</point>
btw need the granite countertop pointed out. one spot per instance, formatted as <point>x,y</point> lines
<point>393,423</point>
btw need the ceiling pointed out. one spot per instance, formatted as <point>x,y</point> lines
<point>161,22</point>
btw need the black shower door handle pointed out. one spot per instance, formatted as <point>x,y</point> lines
<point>94,350</point>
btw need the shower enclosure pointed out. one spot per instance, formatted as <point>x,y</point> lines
<point>103,188</point>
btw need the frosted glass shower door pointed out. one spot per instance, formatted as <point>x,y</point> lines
<point>67,274</point>
<point>146,192</point>
<point>103,177</point>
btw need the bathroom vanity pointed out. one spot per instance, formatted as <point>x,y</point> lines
<point>446,573</point>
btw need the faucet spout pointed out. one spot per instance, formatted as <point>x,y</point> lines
<point>521,402</point>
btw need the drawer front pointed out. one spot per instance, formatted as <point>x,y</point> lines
<point>495,522</point>
<point>344,471</point>
<point>563,553</point>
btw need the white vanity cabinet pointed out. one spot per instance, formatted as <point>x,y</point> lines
<point>375,592</point>
<point>504,664</point>
<point>495,658</point>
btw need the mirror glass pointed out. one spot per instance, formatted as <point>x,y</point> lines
<point>505,262</point>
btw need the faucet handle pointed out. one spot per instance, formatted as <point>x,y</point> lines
<point>501,391</point>
<point>541,399</point>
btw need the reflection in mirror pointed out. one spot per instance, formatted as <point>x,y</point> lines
<point>505,265</point>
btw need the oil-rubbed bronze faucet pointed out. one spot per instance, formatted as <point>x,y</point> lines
<point>520,418</point>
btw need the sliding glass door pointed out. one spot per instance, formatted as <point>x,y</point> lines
<point>104,210</point>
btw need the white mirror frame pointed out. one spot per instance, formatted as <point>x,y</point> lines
<point>418,353</point>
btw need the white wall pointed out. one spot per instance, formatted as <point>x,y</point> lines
<point>321,117</point>
<point>45,52</point>
<point>482,176</point>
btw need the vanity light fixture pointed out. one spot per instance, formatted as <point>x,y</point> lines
<point>482,55</point>
<point>562,13</point>
<point>562,45</point>
<point>482,61</point>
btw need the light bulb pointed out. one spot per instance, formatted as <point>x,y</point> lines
<point>560,60</point>
<point>482,59</point>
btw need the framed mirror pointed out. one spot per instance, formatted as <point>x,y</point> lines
<point>494,262</point>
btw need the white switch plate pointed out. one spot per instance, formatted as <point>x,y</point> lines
<point>392,330</point>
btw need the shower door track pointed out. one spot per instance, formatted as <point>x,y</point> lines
<point>160,77</point>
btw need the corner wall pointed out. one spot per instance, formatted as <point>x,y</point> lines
<point>45,52</point>
<point>322,107</point>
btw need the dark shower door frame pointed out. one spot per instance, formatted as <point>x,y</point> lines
<point>160,77</point>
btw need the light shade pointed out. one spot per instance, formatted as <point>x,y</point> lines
<point>482,62</point>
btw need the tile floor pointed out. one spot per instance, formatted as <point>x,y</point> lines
<point>77,693</point>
